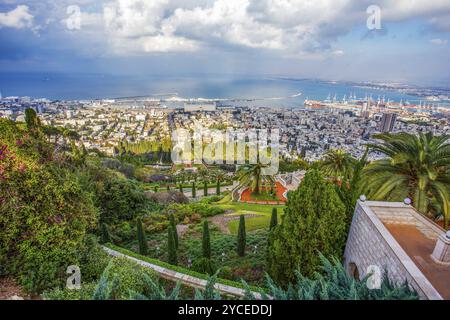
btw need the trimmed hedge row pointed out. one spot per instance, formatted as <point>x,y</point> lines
<point>181,269</point>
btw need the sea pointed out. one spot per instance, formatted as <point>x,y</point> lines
<point>257,91</point>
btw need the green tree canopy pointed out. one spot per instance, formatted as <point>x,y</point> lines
<point>337,163</point>
<point>171,247</point>
<point>416,166</point>
<point>273,219</point>
<point>314,220</point>
<point>241,238</point>
<point>142,239</point>
<point>206,242</point>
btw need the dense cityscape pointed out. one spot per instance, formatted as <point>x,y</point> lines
<point>308,131</point>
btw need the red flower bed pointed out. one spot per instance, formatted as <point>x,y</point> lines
<point>280,189</point>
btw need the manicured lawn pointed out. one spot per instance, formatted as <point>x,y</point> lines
<point>186,186</point>
<point>256,208</point>
<point>254,223</point>
<point>251,224</point>
<point>263,197</point>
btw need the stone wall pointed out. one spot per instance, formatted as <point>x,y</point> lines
<point>370,244</point>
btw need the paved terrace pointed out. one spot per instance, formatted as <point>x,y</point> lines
<point>417,236</point>
<point>394,236</point>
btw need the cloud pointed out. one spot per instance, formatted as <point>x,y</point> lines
<point>17,18</point>
<point>439,42</point>
<point>293,27</point>
<point>290,28</point>
<point>338,53</point>
<point>406,9</point>
<point>226,21</point>
<point>440,23</point>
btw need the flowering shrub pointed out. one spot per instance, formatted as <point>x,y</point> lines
<point>44,214</point>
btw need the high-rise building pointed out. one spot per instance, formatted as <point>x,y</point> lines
<point>387,122</point>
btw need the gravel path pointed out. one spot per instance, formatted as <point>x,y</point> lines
<point>182,229</point>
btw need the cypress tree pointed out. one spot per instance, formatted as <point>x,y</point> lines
<point>181,188</point>
<point>314,220</point>
<point>106,236</point>
<point>31,119</point>
<point>142,240</point>
<point>205,189</point>
<point>155,188</point>
<point>273,219</point>
<point>206,242</point>
<point>241,240</point>
<point>168,187</point>
<point>172,250</point>
<point>174,226</point>
<point>218,187</point>
<point>194,193</point>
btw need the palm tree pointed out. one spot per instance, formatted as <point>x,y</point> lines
<point>417,167</point>
<point>204,174</point>
<point>337,163</point>
<point>219,176</point>
<point>251,175</point>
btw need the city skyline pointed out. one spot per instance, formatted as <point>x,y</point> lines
<point>329,40</point>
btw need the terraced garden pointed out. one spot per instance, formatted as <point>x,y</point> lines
<point>257,215</point>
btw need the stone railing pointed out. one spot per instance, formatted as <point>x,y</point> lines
<point>184,278</point>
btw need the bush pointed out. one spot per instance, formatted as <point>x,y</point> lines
<point>84,293</point>
<point>188,210</point>
<point>334,283</point>
<point>47,212</point>
<point>226,272</point>
<point>127,276</point>
<point>204,265</point>
<point>122,277</point>
<point>210,199</point>
<point>166,198</point>
<point>93,259</point>
<point>123,232</point>
<point>106,236</point>
<point>121,200</point>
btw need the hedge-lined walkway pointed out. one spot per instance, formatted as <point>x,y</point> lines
<point>181,277</point>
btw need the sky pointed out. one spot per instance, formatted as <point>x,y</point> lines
<point>403,41</point>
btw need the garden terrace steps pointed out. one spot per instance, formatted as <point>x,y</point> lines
<point>185,279</point>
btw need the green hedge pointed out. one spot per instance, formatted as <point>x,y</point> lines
<point>180,269</point>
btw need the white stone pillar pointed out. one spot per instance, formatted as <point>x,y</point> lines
<point>441,253</point>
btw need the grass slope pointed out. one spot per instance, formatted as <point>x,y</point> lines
<point>262,210</point>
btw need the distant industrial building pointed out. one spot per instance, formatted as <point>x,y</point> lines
<point>199,106</point>
<point>387,122</point>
